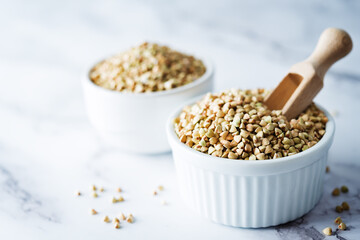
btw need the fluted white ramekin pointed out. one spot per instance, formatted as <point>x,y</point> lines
<point>251,194</point>
<point>136,122</point>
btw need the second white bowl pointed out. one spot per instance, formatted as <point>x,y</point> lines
<point>136,122</point>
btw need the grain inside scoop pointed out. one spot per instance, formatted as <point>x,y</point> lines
<point>305,79</point>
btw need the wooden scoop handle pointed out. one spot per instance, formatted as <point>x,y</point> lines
<point>333,45</point>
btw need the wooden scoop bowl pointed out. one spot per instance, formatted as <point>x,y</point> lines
<point>305,79</point>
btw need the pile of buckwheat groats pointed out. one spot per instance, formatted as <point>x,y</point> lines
<point>95,192</point>
<point>147,68</point>
<point>236,124</point>
<point>339,209</point>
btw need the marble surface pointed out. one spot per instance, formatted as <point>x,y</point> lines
<point>48,149</point>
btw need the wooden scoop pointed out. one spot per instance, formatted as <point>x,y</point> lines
<point>305,79</point>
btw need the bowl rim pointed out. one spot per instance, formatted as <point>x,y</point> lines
<point>209,72</point>
<point>324,141</point>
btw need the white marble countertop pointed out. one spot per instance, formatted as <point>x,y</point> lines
<point>48,148</point>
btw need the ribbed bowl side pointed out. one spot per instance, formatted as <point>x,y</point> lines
<point>251,201</point>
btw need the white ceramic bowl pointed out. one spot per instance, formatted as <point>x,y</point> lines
<point>135,122</point>
<point>251,194</point>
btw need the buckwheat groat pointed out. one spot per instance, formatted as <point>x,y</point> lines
<point>327,231</point>
<point>147,68</point>
<point>342,226</point>
<point>236,124</point>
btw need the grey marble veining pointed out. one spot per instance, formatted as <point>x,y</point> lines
<point>23,199</point>
<point>48,148</point>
